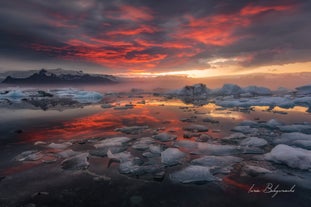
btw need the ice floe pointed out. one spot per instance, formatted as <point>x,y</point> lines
<point>291,156</point>
<point>164,137</point>
<point>193,173</point>
<point>116,141</point>
<point>254,142</point>
<point>172,156</point>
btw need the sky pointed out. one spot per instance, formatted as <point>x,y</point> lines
<point>198,38</point>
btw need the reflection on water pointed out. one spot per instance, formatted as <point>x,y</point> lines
<point>165,114</point>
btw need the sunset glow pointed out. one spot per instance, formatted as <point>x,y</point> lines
<point>152,39</point>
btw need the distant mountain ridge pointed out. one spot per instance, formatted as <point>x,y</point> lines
<point>60,76</point>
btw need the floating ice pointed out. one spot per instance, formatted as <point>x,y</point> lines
<point>12,94</point>
<point>245,129</point>
<point>254,142</point>
<point>191,174</point>
<point>102,151</point>
<point>116,141</point>
<point>217,164</point>
<point>196,128</point>
<point>30,155</point>
<point>228,89</point>
<point>305,128</point>
<point>273,124</point>
<point>249,123</point>
<point>155,149</point>
<point>257,91</point>
<point>295,138</point>
<point>121,157</point>
<point>304,90</point>
<point>164,137</point>
<point>131,129</point>
<point>291,156</point>
<point>186,144</point>
<point>255,170</point>
<point>67,153</point>
<point>172,156</point>
<point>78,95</point>
<point>143,143</point>
<point>215,149</point>
<point>63,145</point>
<point>78,162</point>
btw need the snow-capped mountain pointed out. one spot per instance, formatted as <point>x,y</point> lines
<point>57,76</point>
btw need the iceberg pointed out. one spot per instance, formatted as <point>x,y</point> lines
<point>258,91</point>
<point>78,95</point>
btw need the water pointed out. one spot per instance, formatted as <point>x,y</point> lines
<point>22,127</point>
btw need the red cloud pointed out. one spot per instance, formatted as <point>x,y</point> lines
<point>141,29</point>
<point>219,29</point>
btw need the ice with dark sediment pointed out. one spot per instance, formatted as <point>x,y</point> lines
<point>77,162</point>
<point>164,137</point>
<point>293,157</point>
<point>115,141</point>
<point>192,174</point>
<point>172,156</point>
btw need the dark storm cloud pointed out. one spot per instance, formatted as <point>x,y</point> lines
<point>155,35</point>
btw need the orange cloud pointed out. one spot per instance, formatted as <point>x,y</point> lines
<point>253,9</point>
<point>141,29</point>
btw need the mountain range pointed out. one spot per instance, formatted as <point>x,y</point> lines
<point>56,76</point>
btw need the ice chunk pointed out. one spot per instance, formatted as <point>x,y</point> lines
<point>164,137</point>
<point>245,129</point>
<point>196,128</point>
<point>156,149</point>
<point>255,170</point>
<point>121,157</point>
<point>191,174</point>
<point>132,129</point>
<point>67,153</point>
<point>304,90</point>
<point>305,128</point>
<point>197,90</point>
<point>296,139</point>
<point>291,156</point>
<point>215,149</point>
<point>78,162</point>
<point>217,164</point>
<point>249,123</point>
<point>13,94</point>
<point>130,167</point>
<point>186,144</point>
<point>143,143</point>
<point>116,141</point>
<point>30,155</point>
<point>236,135</point>
<point>80,96</point>
<point>258,91</point>
<point>228,89</point>
<point>306,144</point>
<point>172,156</point>
<point>63,145</point>
<point>102,151</point>
<point>254,142</point>
<point>273,124</point>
